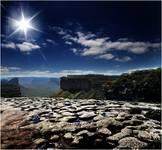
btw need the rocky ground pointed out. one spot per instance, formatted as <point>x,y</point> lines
<point>63,123</point>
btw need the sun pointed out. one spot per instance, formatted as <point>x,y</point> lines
<point>23,24</point>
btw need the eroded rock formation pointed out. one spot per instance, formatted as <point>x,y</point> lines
<point>84,82</point>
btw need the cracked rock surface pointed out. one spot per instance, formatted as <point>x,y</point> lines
<point>79,123</point>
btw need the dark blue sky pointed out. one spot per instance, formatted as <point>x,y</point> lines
<point>80,38</point>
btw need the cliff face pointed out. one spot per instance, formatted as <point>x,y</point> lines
<point>84,82</point>
<point>74,84</point>
<point>10,88</point>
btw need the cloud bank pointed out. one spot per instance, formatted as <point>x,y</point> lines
<point>91,44</point>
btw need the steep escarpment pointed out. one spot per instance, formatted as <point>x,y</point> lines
<point>83,86</point>
<point>10,88</point>
<point>84,82</point>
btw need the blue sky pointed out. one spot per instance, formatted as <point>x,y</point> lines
<point>80,38</point>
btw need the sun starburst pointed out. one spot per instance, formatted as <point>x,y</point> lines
<point>24,24</point>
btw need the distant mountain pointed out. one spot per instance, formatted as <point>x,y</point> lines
<point>14,81</point>
<point>10,88</point>
<point>38,86</point>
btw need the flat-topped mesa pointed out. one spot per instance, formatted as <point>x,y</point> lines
<point>84,82</point>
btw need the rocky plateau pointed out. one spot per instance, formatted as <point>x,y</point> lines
<point>49,123</point>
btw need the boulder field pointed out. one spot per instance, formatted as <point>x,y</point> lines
<point>42,123</point>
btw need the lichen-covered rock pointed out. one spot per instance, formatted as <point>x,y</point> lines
<point>116,137</point>
<point>87,115</point>
<point>85,132</point>
<point>123,116</point>
<point>39,141</point>
<point>147,136</point>
<point>107,122</point>
<point>68,136</point>
<point>104,131</point>
<point>54,138</point>
<point>132,142</point>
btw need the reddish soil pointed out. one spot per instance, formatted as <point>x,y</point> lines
<point>13,136</point>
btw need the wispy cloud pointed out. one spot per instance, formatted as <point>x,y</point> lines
<point>9,45</point>
<point>51,41</point>
<point>23,47</point>
<point>68,43</point>
<point>123,59</point>
<point>106,56</point>
<point>27,47</point>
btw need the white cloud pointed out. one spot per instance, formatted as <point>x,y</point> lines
<point>123,59</point>
<point>133,47</point>
<point>27,47</point>
<point>74,50</point>
<point>106,56</point>
<point>68,43</point>
<point>92,45</point>
<point>51,41</point>
<point>10,45</point>
<point>23,47</point>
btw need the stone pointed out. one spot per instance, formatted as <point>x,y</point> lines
<point>67,119</point>
<point>123,116</point>
<point>116,137</point>
<point>148,136</point>
<point>77,140</point>
<point>131,142</point>
<point>54,138</point>
<point>108,121</point>
<point>135,132</point>
<point>85,132</point>
<point>67,113</point>
<point>97,118</point>
<point>104,131</point>
<point>139,117</point>
<point>39,141</point>
<point>68,136</point>
<point>87,115</point>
